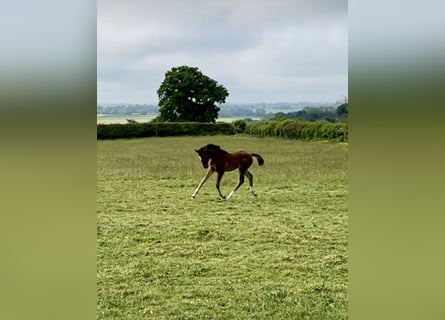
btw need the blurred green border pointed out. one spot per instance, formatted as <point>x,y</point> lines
<point>48,160</point>
<point>396,161</point>
<point>396,165</point>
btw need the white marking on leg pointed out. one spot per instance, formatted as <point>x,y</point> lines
<point>231,194</point>
<point>207,176</point>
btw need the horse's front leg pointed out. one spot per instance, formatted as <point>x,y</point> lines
<point>218,180</point>
<point>206,177</point>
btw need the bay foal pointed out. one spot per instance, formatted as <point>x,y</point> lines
<point>217,160</point>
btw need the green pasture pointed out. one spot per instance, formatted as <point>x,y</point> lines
<point>109,119</point>
<point>162,255</point>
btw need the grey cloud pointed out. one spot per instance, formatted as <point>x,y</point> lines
<point>278,49</point>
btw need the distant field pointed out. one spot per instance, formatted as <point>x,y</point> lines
<point>108,119</point>
<point>162,255</point>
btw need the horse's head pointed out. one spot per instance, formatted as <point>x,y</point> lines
<point>204,156</point>
<point>210,151</point>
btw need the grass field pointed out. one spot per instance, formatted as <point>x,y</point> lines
<point>108,119</point>
<point>162,255</point>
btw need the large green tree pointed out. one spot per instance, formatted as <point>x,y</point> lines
<point>188,95</point>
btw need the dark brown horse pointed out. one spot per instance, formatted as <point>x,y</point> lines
<point>220,161</point>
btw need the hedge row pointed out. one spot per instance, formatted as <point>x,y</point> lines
<point>299,129</point>
<point>162,129</point>
<point>287,128</point>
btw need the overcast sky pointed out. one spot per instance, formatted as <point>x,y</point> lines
<point>260,50</point>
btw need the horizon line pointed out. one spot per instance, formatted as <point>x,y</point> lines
<point>262,102</point>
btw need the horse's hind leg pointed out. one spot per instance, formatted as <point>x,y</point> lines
<point>240,182</point>
<point>250,177</point>
<point>218,180</point>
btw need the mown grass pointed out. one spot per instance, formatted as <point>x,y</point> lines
<point>161,255</point>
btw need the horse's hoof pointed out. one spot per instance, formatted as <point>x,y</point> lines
<point>193,197</point>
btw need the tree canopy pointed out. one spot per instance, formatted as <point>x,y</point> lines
<point>342,112</point>
<point>188,95</point>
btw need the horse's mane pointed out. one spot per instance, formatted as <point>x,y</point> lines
<point>215,148</point>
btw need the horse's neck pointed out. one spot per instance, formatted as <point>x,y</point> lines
<point>215,154</point>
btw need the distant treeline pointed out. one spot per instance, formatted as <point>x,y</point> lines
<point>233,111</point>
<point>264,110</point>
<point>306,110</point>
<point>331,114</point>
<point>128,109</point>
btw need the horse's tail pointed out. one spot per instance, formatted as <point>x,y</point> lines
<point>259,158</point>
